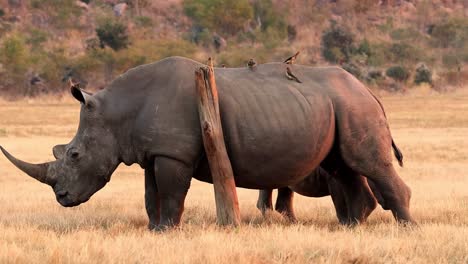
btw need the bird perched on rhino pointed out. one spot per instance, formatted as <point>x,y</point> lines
<point>291,76</point>
<point>292,59</point>
<point>74,84</point>
<point>251,64</point>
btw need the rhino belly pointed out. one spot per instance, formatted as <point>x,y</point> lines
<point>314,185</point>
<point>274,151</point>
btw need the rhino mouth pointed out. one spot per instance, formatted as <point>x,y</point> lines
<point>66,199</point>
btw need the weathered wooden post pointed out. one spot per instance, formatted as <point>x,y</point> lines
<point>227,205</point>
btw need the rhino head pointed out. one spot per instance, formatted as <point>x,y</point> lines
<point>83,166</point>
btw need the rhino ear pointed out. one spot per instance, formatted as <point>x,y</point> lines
<point>79,94</point>
<point>59,151</point>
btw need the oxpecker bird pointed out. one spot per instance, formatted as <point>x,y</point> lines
<point>210,62</point>
<point>251,64</point>
<point>291,59</point>
<point>291,76</point>
<point>72,84</point>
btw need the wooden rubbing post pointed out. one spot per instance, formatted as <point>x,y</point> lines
<point>227,205</point>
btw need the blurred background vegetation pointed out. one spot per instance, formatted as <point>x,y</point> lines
<point>389,44</point>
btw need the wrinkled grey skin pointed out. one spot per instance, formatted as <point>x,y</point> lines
<point>276,131</point>
<point>320,183</point>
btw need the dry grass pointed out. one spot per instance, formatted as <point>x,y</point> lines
<point>431,130</point>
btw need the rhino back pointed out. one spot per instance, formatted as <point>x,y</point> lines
<point>276,130</point>
<point>274,133</point>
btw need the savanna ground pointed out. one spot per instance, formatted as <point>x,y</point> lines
<point>431,130</point>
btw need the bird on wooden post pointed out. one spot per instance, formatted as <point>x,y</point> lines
<point>210,62</point>
<point>292,59</point>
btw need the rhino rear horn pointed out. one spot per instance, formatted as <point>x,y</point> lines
<point>59,151</point>
<point>36,171</point>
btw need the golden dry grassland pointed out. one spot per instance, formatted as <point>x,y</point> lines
<point>431,130</point>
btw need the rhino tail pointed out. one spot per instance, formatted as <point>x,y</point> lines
<point>398,154</point>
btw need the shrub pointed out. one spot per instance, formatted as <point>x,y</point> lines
<point>362,6</point>
<point>50,66</point>
<point>270,19</point>
<point>292,33</point>
<point>387,26</point>
<point>451,61</point>
<point>405,34</point>
<point>143,21</point>
<point>337,44</point>
<point>374,75</point>
<point>398,73</point>
<point>379,54</point>
<point>404,52</point>
<point>102,65</point>
<point>62,13</point>
<point>452,77</point>
<point>238,56</point>
<point>219,15</point>
<point>353,69</point>
<point>364,48</point>
<point>464,54</point>
<point>113,34</point>
<point>334,55</point>
<point>14,53</point>
<point>166,48</point>
<point>271,38</point>
<point>36,37</point>
<point>141,4</point>
<point>423,75</point>
<point>201,36</point>
<point>451,33</point>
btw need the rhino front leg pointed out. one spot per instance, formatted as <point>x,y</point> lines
<point>173,181</point>
<point>151,197</point>
<point>377,194</point>
<point>264,201</point>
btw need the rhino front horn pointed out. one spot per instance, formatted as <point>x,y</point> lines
<point>37,171</point>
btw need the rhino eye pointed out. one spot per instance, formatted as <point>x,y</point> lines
<point>73,154</point>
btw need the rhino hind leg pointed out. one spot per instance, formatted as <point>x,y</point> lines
<point>369,154</point>
<point>339,200</point>
<point>351,195</point>
<point>394,193</point>
<point>151,197</point>
<point>173,181</point>
<point>284,204</point>
<point>264,202</point>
